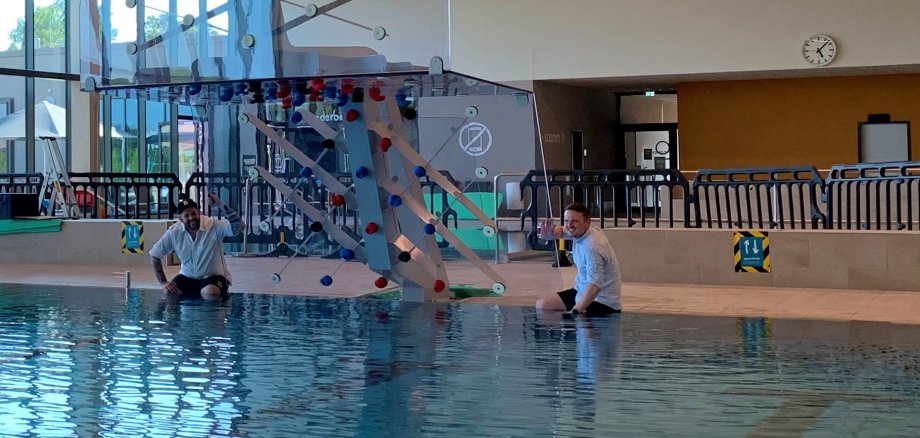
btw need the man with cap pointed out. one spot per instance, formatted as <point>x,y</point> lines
<point>197,240</point>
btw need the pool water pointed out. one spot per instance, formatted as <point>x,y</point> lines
<point>91,362</point>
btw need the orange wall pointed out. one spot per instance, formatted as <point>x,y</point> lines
<point>786,122</point>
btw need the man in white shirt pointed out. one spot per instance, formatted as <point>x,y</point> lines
<point>197,240</point>
<point>597,283</point>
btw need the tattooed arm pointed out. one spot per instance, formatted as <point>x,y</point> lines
<point>168,286</point>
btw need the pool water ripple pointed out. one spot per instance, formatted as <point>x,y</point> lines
<point>84,362</point>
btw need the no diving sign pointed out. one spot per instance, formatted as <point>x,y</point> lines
<point>475,139</point>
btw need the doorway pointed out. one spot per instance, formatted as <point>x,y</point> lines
<point>647,139</point>
<point>649,147</point>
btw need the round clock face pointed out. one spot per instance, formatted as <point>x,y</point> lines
<point>819,50</point>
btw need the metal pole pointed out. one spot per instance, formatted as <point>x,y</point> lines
<point>247,213</point>
<point>495,210</point>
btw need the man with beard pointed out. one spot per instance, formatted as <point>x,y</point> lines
<point>597,283</point>
<point>197,240</point>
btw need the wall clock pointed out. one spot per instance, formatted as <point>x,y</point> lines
<point>819,50</point>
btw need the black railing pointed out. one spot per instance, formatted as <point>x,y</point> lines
<point>617,197</point>
<point>442,208</point>
<point>879,196</point>
<point>125,195</point>
<point>286,223</point>
<point>766,198</point>
<point>21,182</point>
<point>865,196</point>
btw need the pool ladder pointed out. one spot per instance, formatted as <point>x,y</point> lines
<point>126,275</point>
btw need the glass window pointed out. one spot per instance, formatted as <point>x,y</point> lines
<point>125,156</point>
<point>6,108</point>
<point>12,35</point>
<point>660,108</point>
<point>12,124</point>
<point>159,145</point>
<point>190,132</point>
<point>50,29</point>
<point>50,119</point>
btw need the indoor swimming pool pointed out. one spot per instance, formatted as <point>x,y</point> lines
<point>105,362</point>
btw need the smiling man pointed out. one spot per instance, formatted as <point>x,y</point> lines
<point>197,241</point>
<point>597,283</point>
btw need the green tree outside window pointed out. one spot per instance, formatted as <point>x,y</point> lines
<point>49,27</point>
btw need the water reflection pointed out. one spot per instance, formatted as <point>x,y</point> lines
<point>588,355</point>
<point>79,362</point>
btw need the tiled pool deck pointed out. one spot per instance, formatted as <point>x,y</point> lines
<point>526,281</point>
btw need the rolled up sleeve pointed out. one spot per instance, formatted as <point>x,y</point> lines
<point>163,247</point>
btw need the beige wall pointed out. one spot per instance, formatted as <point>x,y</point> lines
<point>84,130</point>
<point>642,109</point>
<point>875,260</point>
<point>80,242</point>
<point>546,39</point>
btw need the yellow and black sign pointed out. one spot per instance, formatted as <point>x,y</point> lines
<point>752,251</point>
<point>132,237</point>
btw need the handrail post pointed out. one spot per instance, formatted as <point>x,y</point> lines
<point>247,213</point>
<point>495,208</point>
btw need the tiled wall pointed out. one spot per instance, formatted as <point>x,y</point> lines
<point>878,260</point>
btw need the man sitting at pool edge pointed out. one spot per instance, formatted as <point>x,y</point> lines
<point>597,283</point>
<point>197,241</point>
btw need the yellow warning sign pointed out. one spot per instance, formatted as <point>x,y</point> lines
<point>752,251</point>
<point>132,237</point>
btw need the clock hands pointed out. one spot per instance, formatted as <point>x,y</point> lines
<point>818,50</point>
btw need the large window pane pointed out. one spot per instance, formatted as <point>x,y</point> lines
<point>159,146</point>
<point>49,35</point>
<point>125,156</point>
<point>6,146</point>
<point>12,127</point>
<point>50,118</point>
<point>12,34</point>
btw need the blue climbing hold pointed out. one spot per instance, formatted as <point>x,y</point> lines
<point>326,280</point>
<point>395,200</point>
<point>429,229</point>
<point>361,172</point>
<point>297,117</point>
<point>402,99</point>
<point>299,99</point>
<point>341,99</point>
<point>419,171</point>
<point>306,172</point>
<point>226,93</point>
<point>346,254</point>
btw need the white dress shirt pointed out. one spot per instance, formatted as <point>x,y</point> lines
<point>202,257</point>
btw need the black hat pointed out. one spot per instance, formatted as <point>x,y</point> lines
<point>186,203</point>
